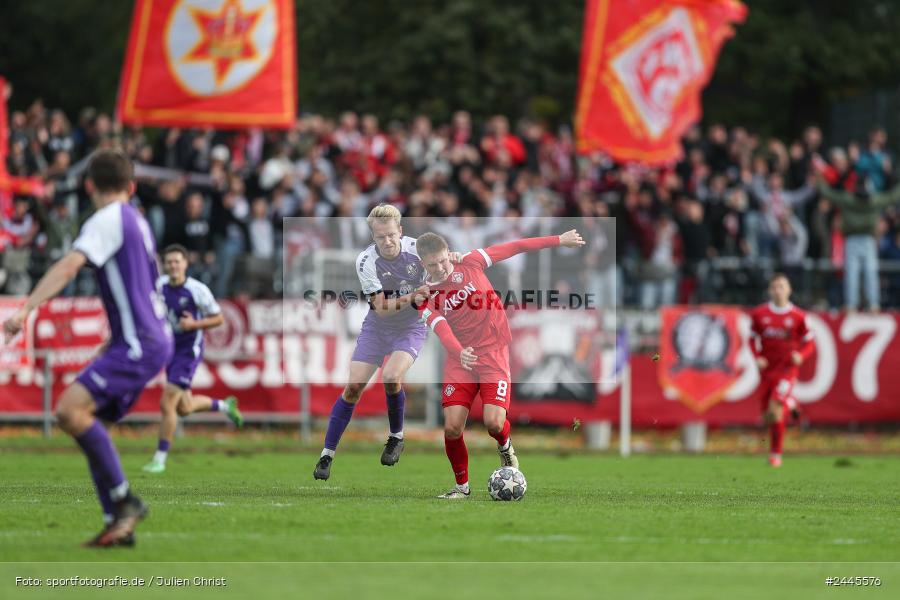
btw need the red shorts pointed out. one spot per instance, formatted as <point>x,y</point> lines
<point>490,376</point>
<point>777,388</point>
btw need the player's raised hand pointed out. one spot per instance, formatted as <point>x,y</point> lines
<point>13,325</point>
<point>571,239</point>
<point>467,358</point>
<point>456,257</point>
<point>187,322</point>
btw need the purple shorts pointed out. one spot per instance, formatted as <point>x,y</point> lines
<point>180,370</point>
<point>115,381</point>
<point>375,342</point>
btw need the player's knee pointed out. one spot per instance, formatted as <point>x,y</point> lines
<point>183,408</point>
<point>352,392</point>
<point>70,416</point>
<point>392,384</point>
<point>453,431</point>
<point>494,424</point>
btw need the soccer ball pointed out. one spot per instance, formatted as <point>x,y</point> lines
<point>507,483</point>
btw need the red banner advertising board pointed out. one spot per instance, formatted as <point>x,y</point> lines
<point>851,377</point>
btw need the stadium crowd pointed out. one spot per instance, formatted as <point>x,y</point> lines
<point>710,228</point>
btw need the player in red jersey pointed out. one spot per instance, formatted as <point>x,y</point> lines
<point>469,317</point>
<point>780,341</point>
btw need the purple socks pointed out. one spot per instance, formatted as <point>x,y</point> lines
<point>215,406</point>
<point>395,406</point>
<point>163,446</point>
<point>102,491</point>
<point>341,413</point>
<point>104,462</point>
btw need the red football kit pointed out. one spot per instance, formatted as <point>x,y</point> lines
<point>777,333</point>
<point>463,311</point>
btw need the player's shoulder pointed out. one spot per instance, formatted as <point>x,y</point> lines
<point>476,258</point>
<point>408,245</point>
<point>366,258</point>
<point>796,311</point>
<point>162,281</point>
<point>107,218</point>
<point>197,288</point>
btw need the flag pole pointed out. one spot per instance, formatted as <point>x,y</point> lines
<point>625,411</point>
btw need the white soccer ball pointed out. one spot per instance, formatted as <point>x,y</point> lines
<point>507,484</point>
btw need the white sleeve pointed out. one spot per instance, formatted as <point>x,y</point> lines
<point>204,299</point>
<point>160,282</point>
<point>368,275</point>
<point>101,235</point>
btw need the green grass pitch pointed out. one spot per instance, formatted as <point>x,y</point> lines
<point>693,526</point>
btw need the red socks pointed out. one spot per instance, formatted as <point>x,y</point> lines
<point>459,458</point>
<point>776,437</point>
<point>503,436</point>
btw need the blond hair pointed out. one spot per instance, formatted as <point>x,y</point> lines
<point>430,243</point>
<point>384,213</point>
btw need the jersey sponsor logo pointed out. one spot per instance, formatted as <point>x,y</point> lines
<point>788,322</point>
<point>448,391</point>
<point>412,269</point>
<point>456,277</point>
<point>182,301</point>
<point>776,332</point>
<point>459,297</point>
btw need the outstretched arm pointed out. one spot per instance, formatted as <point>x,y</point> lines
<point>52,283</point>
<point>495,254</point>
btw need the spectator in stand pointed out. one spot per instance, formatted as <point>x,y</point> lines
<point>21,230</point>
<point>875,163</point>
<point>792,243</point>
<point>500,147</point>
<point>859,215</point>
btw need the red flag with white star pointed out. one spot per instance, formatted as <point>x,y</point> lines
<point>216,63</point>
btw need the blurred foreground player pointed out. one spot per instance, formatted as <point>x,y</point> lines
<point>117,242</point>
<point>191,309</point>
<point>390,276</point>
<point>469,317</point>
<point>780,342</point>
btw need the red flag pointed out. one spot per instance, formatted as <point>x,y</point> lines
<point>643,66</point>
<point>29,186</point>
<point>698,349</point>
<point>217,63</point>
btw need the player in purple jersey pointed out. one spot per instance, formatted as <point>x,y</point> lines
<point>391,277</point>
<point>191,309</point>
<point>116,241</point>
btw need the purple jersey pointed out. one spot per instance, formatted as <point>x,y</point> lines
<point>118,243</point>
<point>192,297</point>
<point>396,277</point>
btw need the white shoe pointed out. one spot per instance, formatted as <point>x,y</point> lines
<point>154,466</point>
<point>508,457</point>
<point>455,494</point>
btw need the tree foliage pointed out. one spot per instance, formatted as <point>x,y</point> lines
<point>398,57</point>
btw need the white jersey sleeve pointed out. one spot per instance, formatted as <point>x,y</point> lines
<point>161,281</point>
<point>101,235</point>
<point>368,274</point>
<point>203,297</point>
<point>408,244</point>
